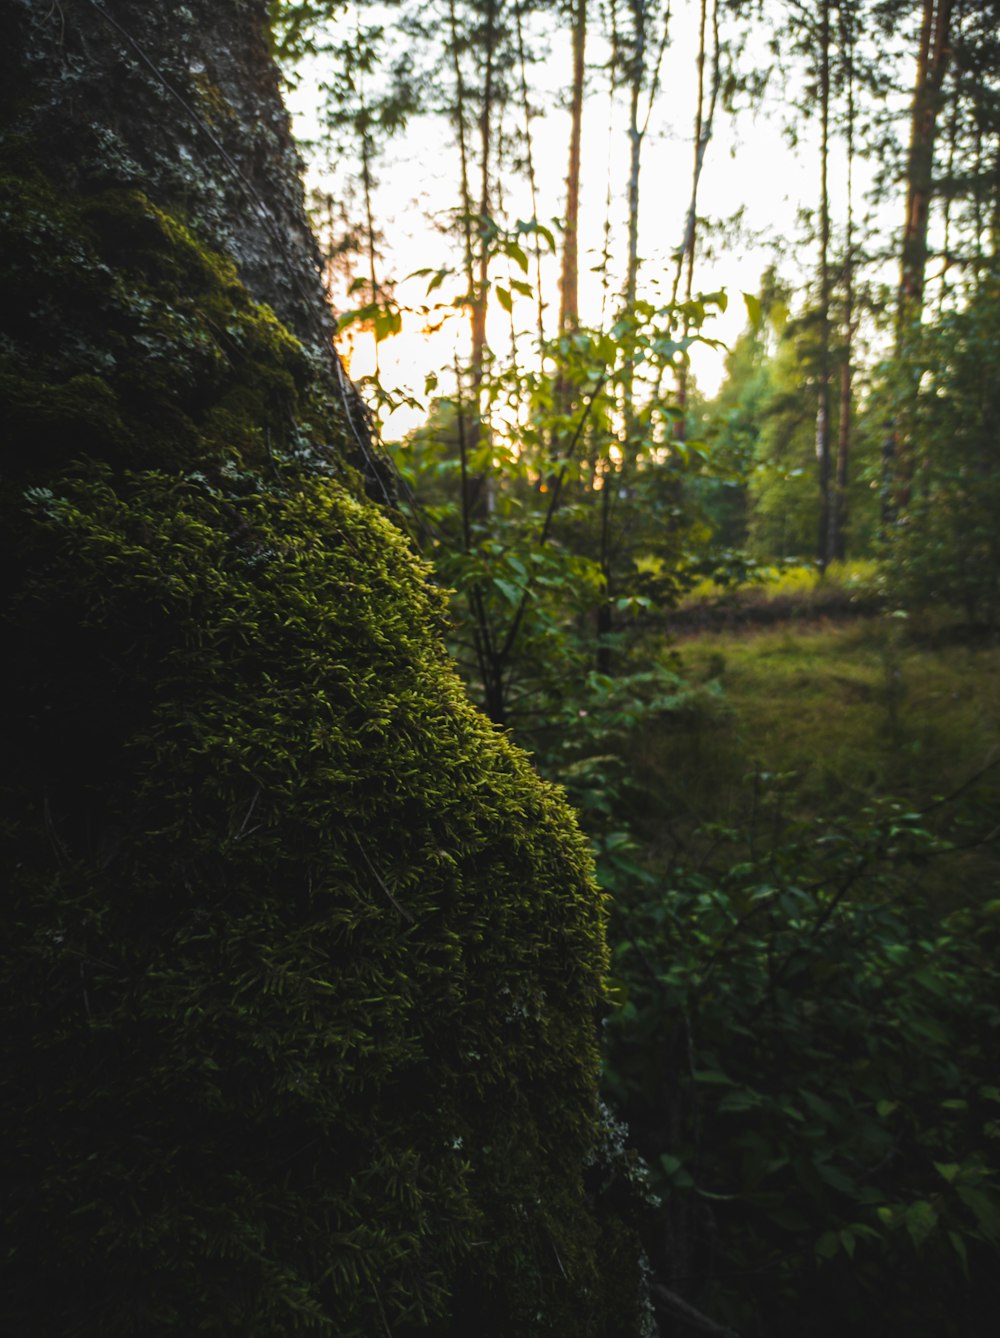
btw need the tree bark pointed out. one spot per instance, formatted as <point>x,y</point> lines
<point>163,96</point>
<point>249,813</point>
<point>839,513</point>
<point>569,298</point>
<point>932,63</point>
<point>933,54</point>
<point>827,512</point>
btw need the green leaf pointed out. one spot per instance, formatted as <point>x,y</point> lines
<point>958,1245</point>
<point>504,298</point>
<point>985,1208</point>
<point>753,310</point>
<point>949,1170</point>
<point>828,1245</point>
<point>920,1220</point>
<point>509,590</point>
<point>517,254</point>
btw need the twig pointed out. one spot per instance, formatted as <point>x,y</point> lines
<point>381,882</point>
<point>515,626</point>
<point>687,1314</point>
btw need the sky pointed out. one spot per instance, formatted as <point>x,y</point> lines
<point>750,165</point>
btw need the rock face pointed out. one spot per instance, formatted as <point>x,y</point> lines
<point>301,961</point>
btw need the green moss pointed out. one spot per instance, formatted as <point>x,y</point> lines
<point>302,960</point>
<point>83,410</point>
<point>192,371</point>
<point>340,948</point>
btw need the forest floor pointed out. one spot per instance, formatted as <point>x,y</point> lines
<point>815,719</point>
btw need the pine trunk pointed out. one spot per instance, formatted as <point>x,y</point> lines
<point>933,55</point>
<point>827,510</point>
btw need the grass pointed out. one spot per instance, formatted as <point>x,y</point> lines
<point>791,580</point>
<point>781,595</point>
<point>833,717</point>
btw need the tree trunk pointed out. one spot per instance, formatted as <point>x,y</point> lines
<point>569,300</point>
<point>932,62</point>
<point>300,961</point>
<point>566,391</point>
<point>532,180</point>
<point>173,98</point>
<point>703,123</point>
<point>827,513</point>
<point>839,511</point>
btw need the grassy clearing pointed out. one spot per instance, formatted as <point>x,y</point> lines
<point>781,594</point>
<point>826,720</point>
<point>787,580</point>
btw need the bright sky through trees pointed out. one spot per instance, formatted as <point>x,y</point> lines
<point>752,172</point>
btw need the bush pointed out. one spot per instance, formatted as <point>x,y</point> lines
<point>806,1057</point>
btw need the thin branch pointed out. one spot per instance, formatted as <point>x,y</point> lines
<point>686,1313</point>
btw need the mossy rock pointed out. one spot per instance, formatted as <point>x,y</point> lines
<point>302,962</point>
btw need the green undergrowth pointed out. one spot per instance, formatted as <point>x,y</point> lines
<point>788,579</point>
<point>780,594</point>
<point>804,944</point>
<point>842,715</point>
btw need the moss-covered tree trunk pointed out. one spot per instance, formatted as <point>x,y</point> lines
<point>300,960</point>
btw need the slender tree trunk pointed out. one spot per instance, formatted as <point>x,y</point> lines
<point>569,300</point>
<point>609,168</point>
<point>635,160</point>
<point>932,62</point>
<point>839,511</point>
<point>954,120</point>
<point>604,616</point>
<point>637,70</point>
<point>478,315</point>
<point>636,76</point>
<point>703,125</point>
<point>532,179</point>
<point>827,519</point>
<point>367,184</point>
<point>482,501</point>
<point>476,494</point>
<point>566,392</point>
